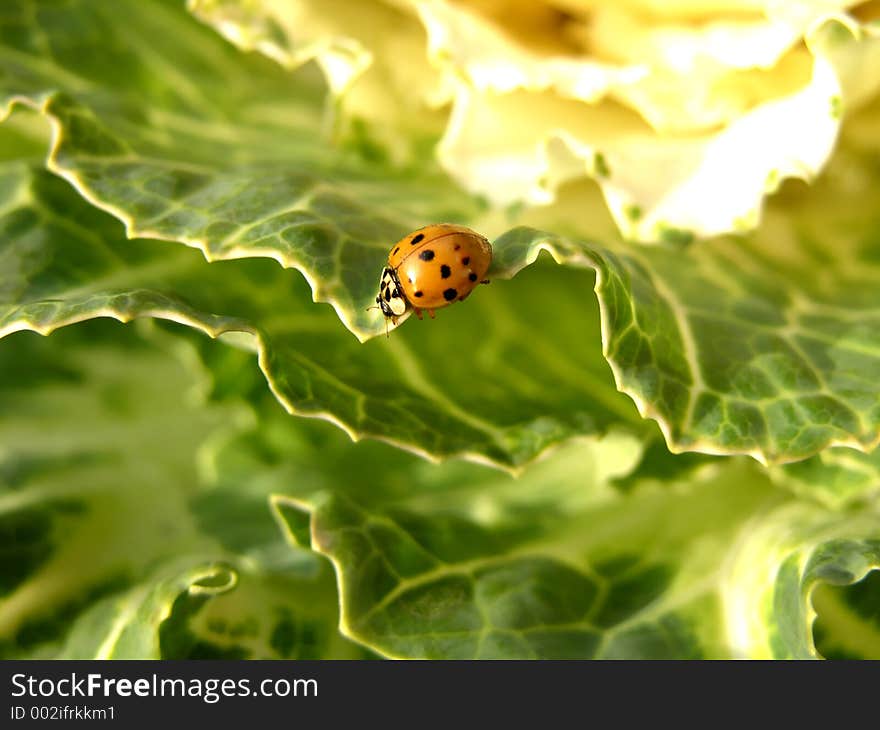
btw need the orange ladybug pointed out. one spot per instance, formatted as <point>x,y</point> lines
<point>431,268</point>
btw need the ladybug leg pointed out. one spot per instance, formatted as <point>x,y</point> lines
<point>484,281</point>
<point>431,312</point>
<point>418,312</point>
<point>461,299</point>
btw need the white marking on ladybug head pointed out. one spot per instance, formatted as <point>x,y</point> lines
<point>390,300</point>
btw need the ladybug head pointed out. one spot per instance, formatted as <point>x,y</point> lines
<point>391,300</point>
<point>386,310</point>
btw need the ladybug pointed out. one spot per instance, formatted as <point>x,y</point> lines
<point>431,268</point>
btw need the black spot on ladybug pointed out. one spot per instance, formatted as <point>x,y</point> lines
<point>426,255</point>
<point>420,293</point>
<point>457,246</point>
<point>395,294</point>
<point>409,279</point>
<point>445,271</point>
<point>394,252</point>
<point>472,276</point>
<point>450,294</point>
<point>384,284</point>
<point>417,239</point>
<point>466,260</point>
<point>388,295</point>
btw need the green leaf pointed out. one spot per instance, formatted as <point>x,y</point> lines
<point>264,618</point>
<point>751,345</point>
<point>704,562</point>
<point>110,541</point>
<point>184,139</point>
<point>707,569</point>
<point>69,492</point>
<point>837,477</point>
<point>460,561</point>
<point>518,379</point>
<point>127,624</point>
<point>848,621</point>
<point>788,557</point>
<point>763,344</point>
